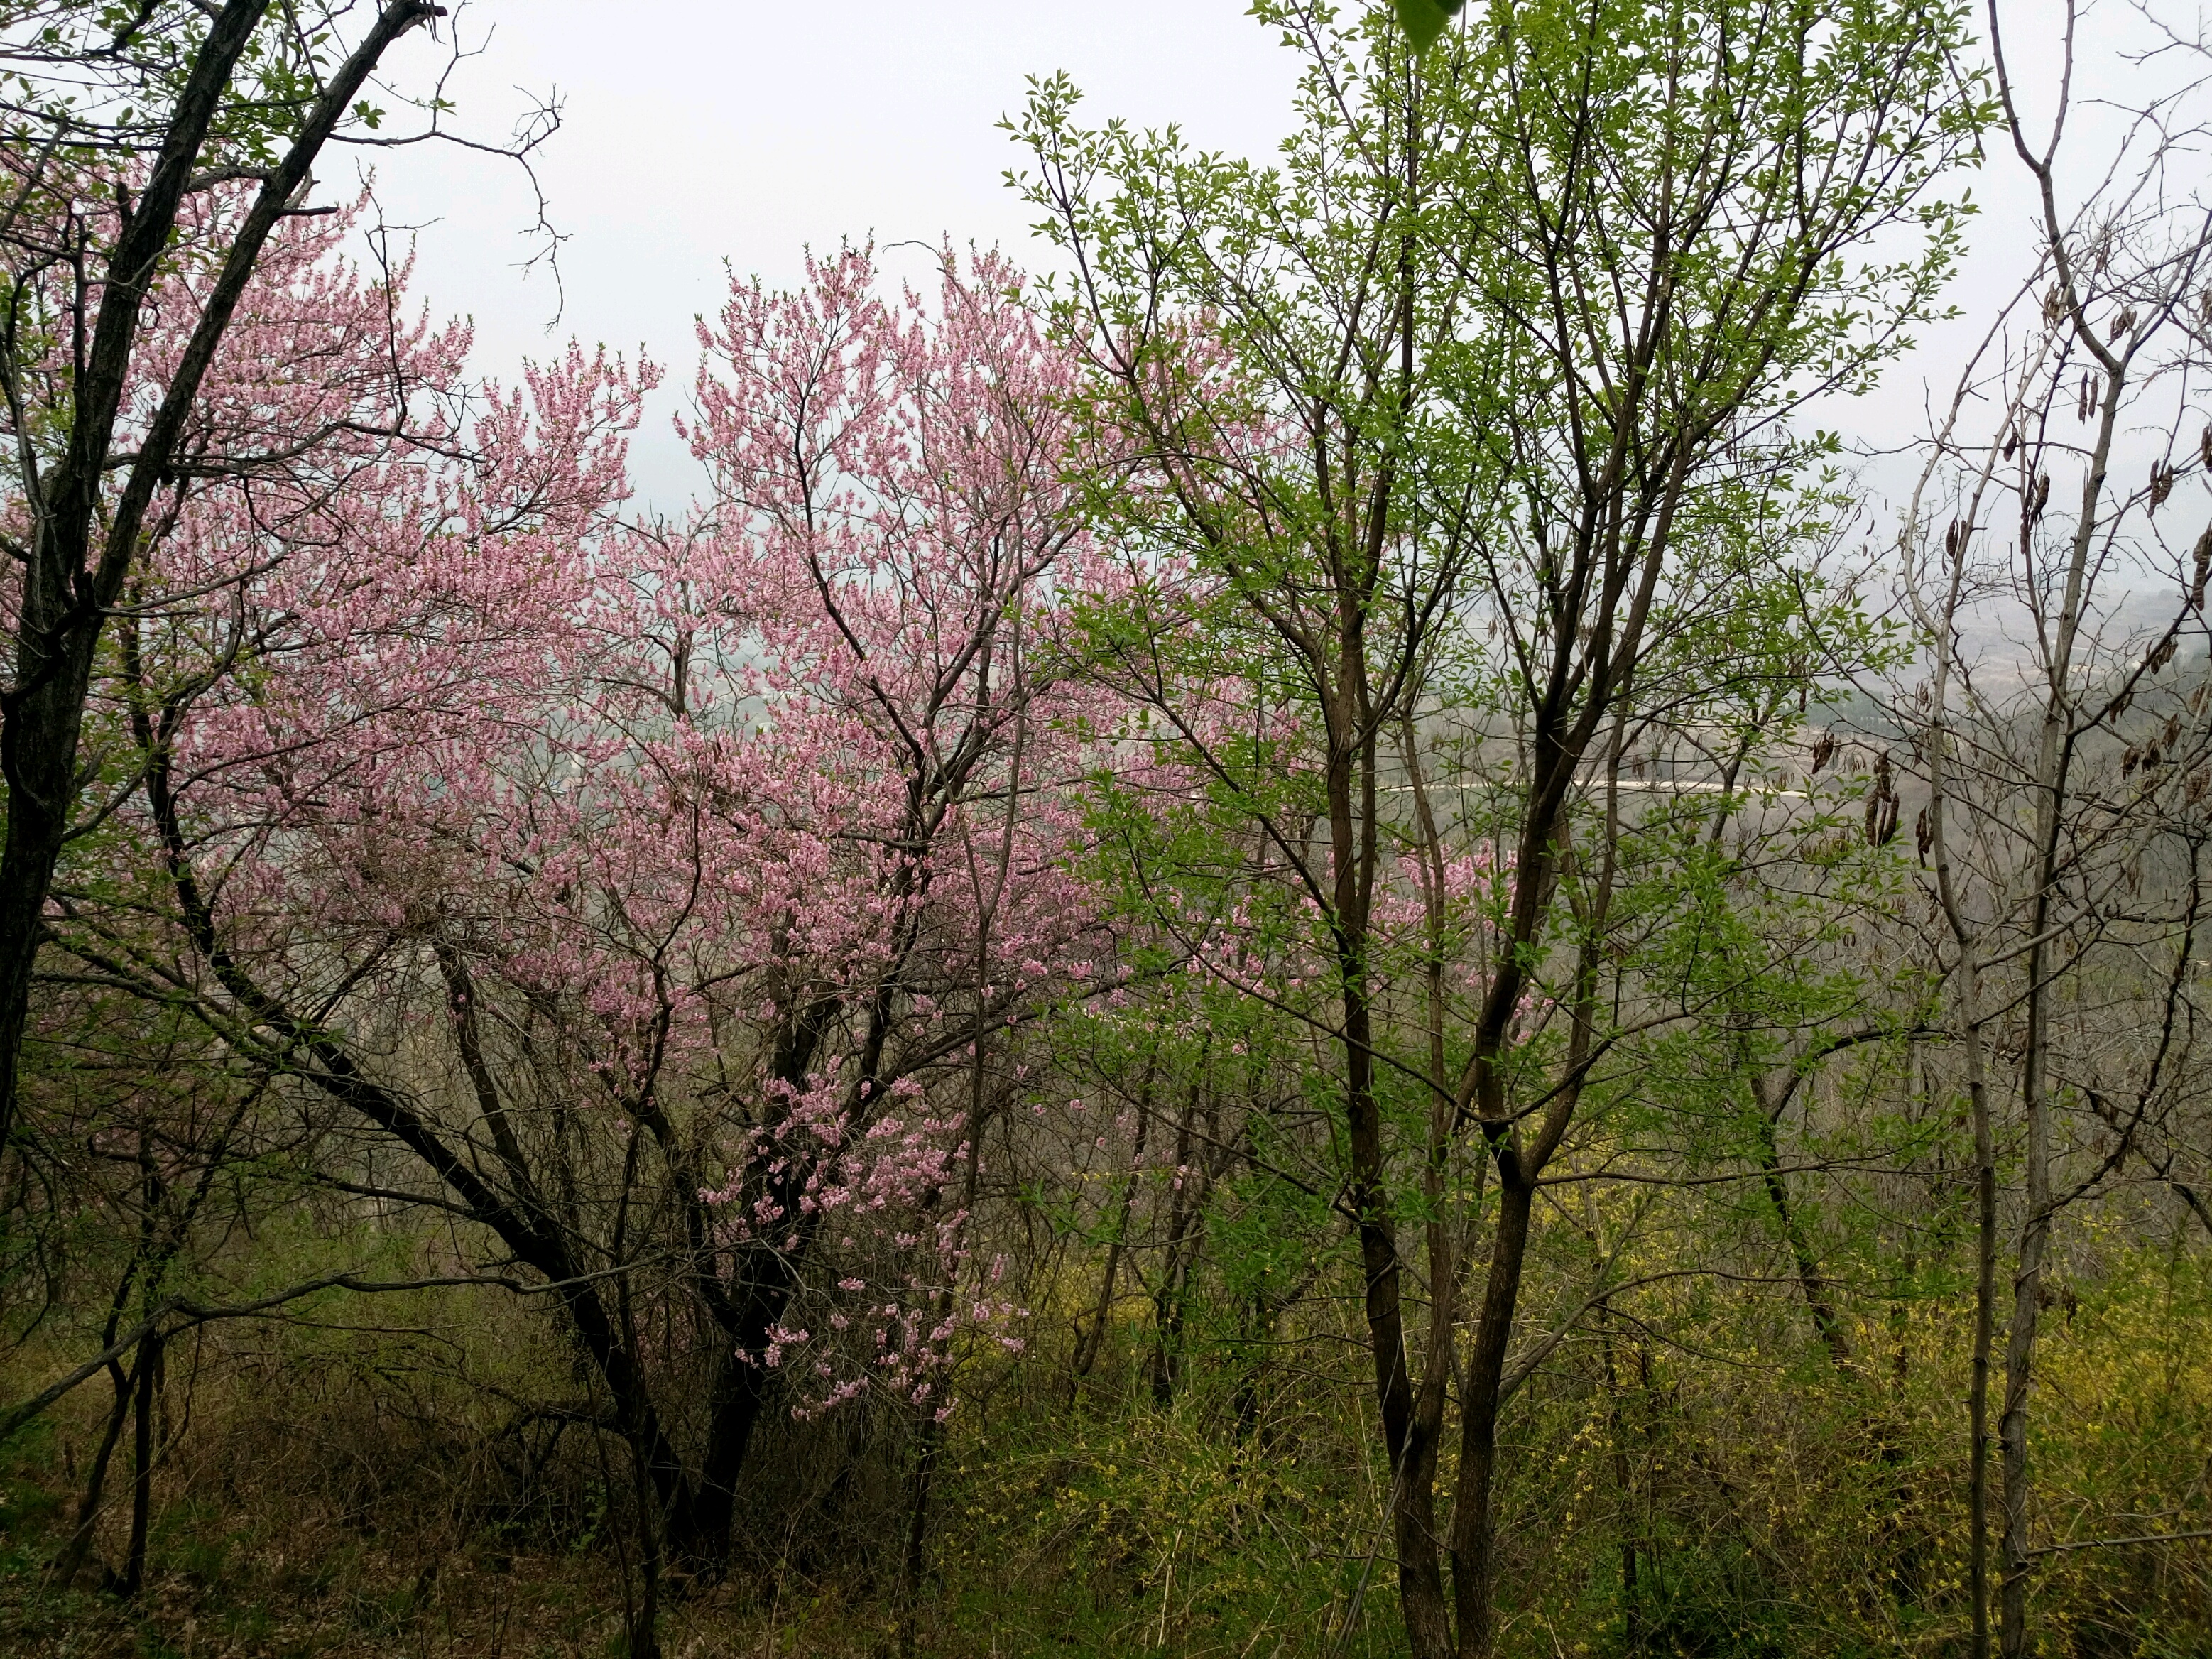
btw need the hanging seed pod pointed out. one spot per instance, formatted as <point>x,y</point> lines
<point>2119,706</point>
<point>1923,834</point>
<point>2054,304</point>
<point>2198,781</point>
<point>1824,750</point>
<point>1881,820</point>
<point>2082,404</point>
<point>2042,498</point>
<point>2161,484</point>
<point>2204,569</point>
<point>2204,447</point>
<point>2161,653</point>
<point>1952,536</point>
<point>2172,731</point>
<point>2012,441</point>
<point>2125,323</point>
<point>1881,810</point>
<point>2130,760</point>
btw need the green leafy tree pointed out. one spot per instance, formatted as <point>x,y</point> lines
<point>1498,367</point>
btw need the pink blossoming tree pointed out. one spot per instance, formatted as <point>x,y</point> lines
<point>667,894</point>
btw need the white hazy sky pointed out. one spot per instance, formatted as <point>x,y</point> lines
<point>697,133</point>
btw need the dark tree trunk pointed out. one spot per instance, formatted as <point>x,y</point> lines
<point>70,1561</point>
<point>1169,1299</point>
<point>702,1532</point>
<point>66,590</point>
<point>142,1463</point>
<point>1090,1342</point>
<point>1624,1486</point>
<point>1473,1525</point>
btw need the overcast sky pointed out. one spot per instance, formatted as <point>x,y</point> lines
<point>697,133</point>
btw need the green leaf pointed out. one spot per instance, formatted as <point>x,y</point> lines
<point>1424,19</point>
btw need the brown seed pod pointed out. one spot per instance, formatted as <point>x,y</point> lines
<point>1881,808</point>
<point>1881,820</point>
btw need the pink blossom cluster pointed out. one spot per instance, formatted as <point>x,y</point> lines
<point>746,836</point>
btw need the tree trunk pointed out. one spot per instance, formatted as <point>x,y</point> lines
<point>61,612</point>
<point>1090,1342</point>
<point>1624,1486</point>
<point>70,1561</point>
<point>1353,823</point>
<point>1472,1540</point>
<point>1175,1269</point>
<point>1966,937</point>
<point>142,1463</point>
<point>2054,765</point>
<point>1412,1500</point>
<point>66,593</point>
<point>2019,1340</point>
<point>702,1527</point>
<point>1820,1303</point>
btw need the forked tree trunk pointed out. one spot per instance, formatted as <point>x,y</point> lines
<point>1473,1533</point>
